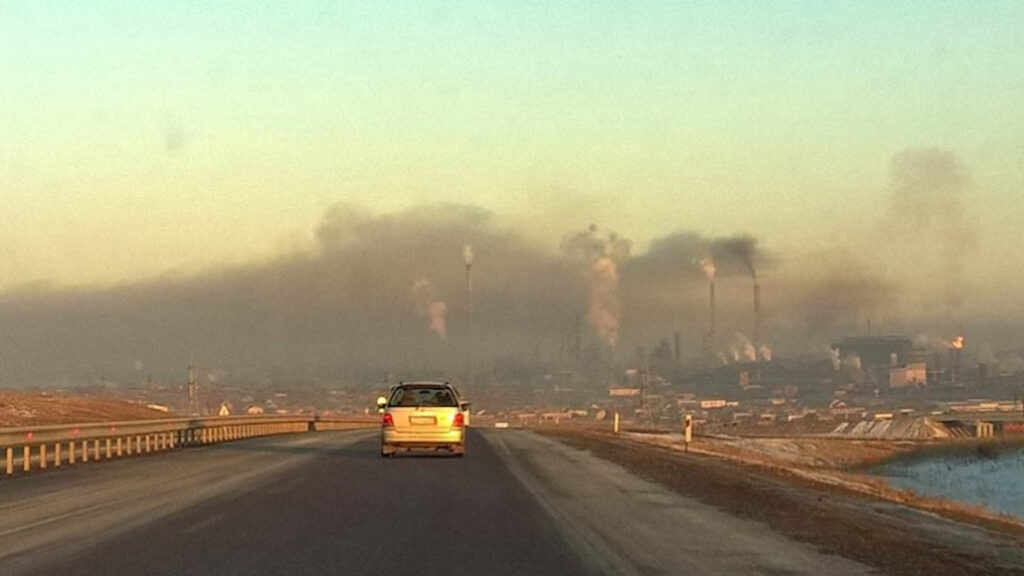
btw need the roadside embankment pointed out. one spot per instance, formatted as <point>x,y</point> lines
<point>841,511</point>
<point>842,463</point>
<point>43,408</point>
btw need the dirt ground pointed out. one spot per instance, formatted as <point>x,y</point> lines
<point>18,409</point>
<point>809,452</point>
<point>883,534</point>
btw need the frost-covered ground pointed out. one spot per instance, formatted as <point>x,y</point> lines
<point>994,481</point>
<point>976,488</point>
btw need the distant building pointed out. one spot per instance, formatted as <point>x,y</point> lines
<point>914,374</point>
<point>877,350</point>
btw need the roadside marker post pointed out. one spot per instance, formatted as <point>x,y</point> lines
<point>687,432</point>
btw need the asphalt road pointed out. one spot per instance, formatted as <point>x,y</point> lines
<point>327,503</point>
<point>335,507</point>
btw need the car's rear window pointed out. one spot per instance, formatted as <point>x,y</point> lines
<point>412,396</point>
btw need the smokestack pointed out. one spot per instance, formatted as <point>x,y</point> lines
<point>757,315</point>
<point>707,265</point>
<point>577,340</point>
<point>711,318</point>
<point>956,353</point>
<point>757,329</point>
<point>193,390</point>
<point>467,257</point>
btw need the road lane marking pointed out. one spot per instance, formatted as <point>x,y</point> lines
<point>58,518</point>
<point>203,524</point>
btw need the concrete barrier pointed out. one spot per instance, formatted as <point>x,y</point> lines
<point>29,449</point>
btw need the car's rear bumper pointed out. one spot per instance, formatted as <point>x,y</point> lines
<point>421,439</point>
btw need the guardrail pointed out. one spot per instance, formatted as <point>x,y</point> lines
<point>39,447</point>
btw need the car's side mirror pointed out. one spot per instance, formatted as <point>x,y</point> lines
<point>382,402</point>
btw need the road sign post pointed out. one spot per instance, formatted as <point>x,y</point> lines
<point>687,431</point>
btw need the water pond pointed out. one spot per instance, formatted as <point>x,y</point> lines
<point>990,478</point>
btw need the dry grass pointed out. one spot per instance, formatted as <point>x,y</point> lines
<point>833,462</point>
<point>19,409</point>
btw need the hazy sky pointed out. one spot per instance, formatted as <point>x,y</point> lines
<point>874,150</point>
<point>141,137</point>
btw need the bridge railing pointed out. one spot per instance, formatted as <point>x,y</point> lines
<point>27,449</point>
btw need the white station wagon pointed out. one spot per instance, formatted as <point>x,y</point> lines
<point>423,415</point>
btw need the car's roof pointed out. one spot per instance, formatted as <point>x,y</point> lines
<point>425,384</point>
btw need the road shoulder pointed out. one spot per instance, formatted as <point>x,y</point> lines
<point>629,525</point>
<point>887,536</point>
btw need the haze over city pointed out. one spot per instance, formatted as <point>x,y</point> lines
<point>295,191</point>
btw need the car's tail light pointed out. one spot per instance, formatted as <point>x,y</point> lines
<point>459,421</point>
<point>388,421</point>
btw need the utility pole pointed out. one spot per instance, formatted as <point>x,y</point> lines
<point>468,257</point>
<point>193,391</point>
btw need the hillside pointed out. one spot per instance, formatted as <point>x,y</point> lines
<point>19,409</point>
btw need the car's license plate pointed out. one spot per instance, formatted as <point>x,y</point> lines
<point>422,420</point>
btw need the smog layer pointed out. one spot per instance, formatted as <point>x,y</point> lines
<point>379,293</point>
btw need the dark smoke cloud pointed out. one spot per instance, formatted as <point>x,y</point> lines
<point>742,250</point>
<point>843,295</point>
<point>677,257</point>
<point>672,258</point>
<point>341,308</point>
<point>928,215</point>
<point>665,288</point>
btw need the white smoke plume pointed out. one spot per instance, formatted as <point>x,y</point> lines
<point>707,265</point>
<point>605,306</point>
<point>766,353</point>
<point>467,255</point>
<point>852,361</point>
<point>422,296</point>
<point>741,349</point>
<point>602,255</point>
<point>833,354</point>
